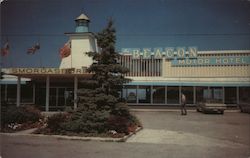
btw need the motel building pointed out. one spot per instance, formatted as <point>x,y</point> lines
<point>159,75</point>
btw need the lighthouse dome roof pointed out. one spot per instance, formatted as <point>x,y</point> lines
<point>82,17</point>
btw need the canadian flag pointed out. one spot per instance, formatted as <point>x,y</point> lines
<point>6,49</point>
<point>65,51</point>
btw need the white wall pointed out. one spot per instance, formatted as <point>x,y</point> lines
<point>80,44</point>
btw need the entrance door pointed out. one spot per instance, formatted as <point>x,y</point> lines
<point>52,97</point>
<point>230,95</point>
<point>61,100</point>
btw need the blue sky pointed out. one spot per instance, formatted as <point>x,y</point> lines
<point>207,24</point>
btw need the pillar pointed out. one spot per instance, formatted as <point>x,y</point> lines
<point>163,69</point>
<point>166,95</point>
<point>75,92</point>
<point>34,94</point>
<point>223,95</point>
<point>179,94</point>
<point>47,93</point>
<point>194,89</point>
<point>57,93</point>
<point>238,95</point>
<point>137,99</point>
<point>151,95</point>
<point>18,95</point>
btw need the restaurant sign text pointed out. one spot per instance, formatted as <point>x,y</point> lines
<point>45,71</point>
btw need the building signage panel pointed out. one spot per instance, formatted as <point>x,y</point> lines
<point>159,53</point>
<point>45,71</point>
<point>182,56</point>
<point>212,61</point>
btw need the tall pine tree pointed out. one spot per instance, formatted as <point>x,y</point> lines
<point>106,68</point>
<point>100,109</point>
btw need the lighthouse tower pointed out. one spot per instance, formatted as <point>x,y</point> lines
<point>81,42</point>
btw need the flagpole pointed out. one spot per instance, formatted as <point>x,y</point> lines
<point>70,54</point>
<point>41,65</point>
<point>71,60</point>
<point>11,62</point>
<point>40,55</point>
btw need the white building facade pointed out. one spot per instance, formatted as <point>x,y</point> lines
<point>159,75</point>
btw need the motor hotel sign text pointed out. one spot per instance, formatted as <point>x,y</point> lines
<point>212,61</point>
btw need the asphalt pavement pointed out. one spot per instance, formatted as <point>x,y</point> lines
<point>166,134</point>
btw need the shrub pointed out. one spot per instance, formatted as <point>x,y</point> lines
<point>93,120</point>
<point>19,115</point>
<point>54,122</point>
<point>95,100</point>
<point>120,109</point>
<point>87,121</point>
<point>121,120</point>
<point>118,123</point>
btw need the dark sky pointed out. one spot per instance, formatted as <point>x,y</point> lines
<point>206,24</point>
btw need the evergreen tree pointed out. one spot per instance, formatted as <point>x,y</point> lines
<point>99,109</point>
<point>106,68</point>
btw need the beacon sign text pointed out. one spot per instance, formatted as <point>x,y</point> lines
<point>158,53</point>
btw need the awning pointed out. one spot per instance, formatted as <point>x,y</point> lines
<point>210,84</point>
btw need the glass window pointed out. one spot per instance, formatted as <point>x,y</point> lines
<point>3,92</point>
<point>61,98</point>
<point>27,93</point>
<point>40,96</point>
<point>173,95</point>
<point>69,96</point>
<point>215,95</point>
<point>230,95</point>
<point>144,94</point>
<point>244,95</point>
<point>129,93</point>
<point>158,94</point>
<point>52,97</point>
<point>124,93</point>
<point>189,93</point>
<point>202,94</point>
<point>11,93</point>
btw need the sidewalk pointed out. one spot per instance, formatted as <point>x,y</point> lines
<point>29,133</point>
<point>163,108</point>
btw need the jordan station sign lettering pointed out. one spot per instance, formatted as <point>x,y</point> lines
<point>182,56</point>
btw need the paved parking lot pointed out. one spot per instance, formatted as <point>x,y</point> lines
<point>165,134</point>
<point>232,126</point>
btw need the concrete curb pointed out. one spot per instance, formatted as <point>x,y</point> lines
<point>173,110</point>
<point>64,137</point>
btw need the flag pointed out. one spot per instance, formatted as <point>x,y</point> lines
<point>65,50</point>
<point>33,49</point>
<point>6,49</point>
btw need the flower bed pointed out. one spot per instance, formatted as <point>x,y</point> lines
<point>20,118</point>
<point>62,124</point>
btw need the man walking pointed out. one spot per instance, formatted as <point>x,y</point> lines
<point>183,104</point>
